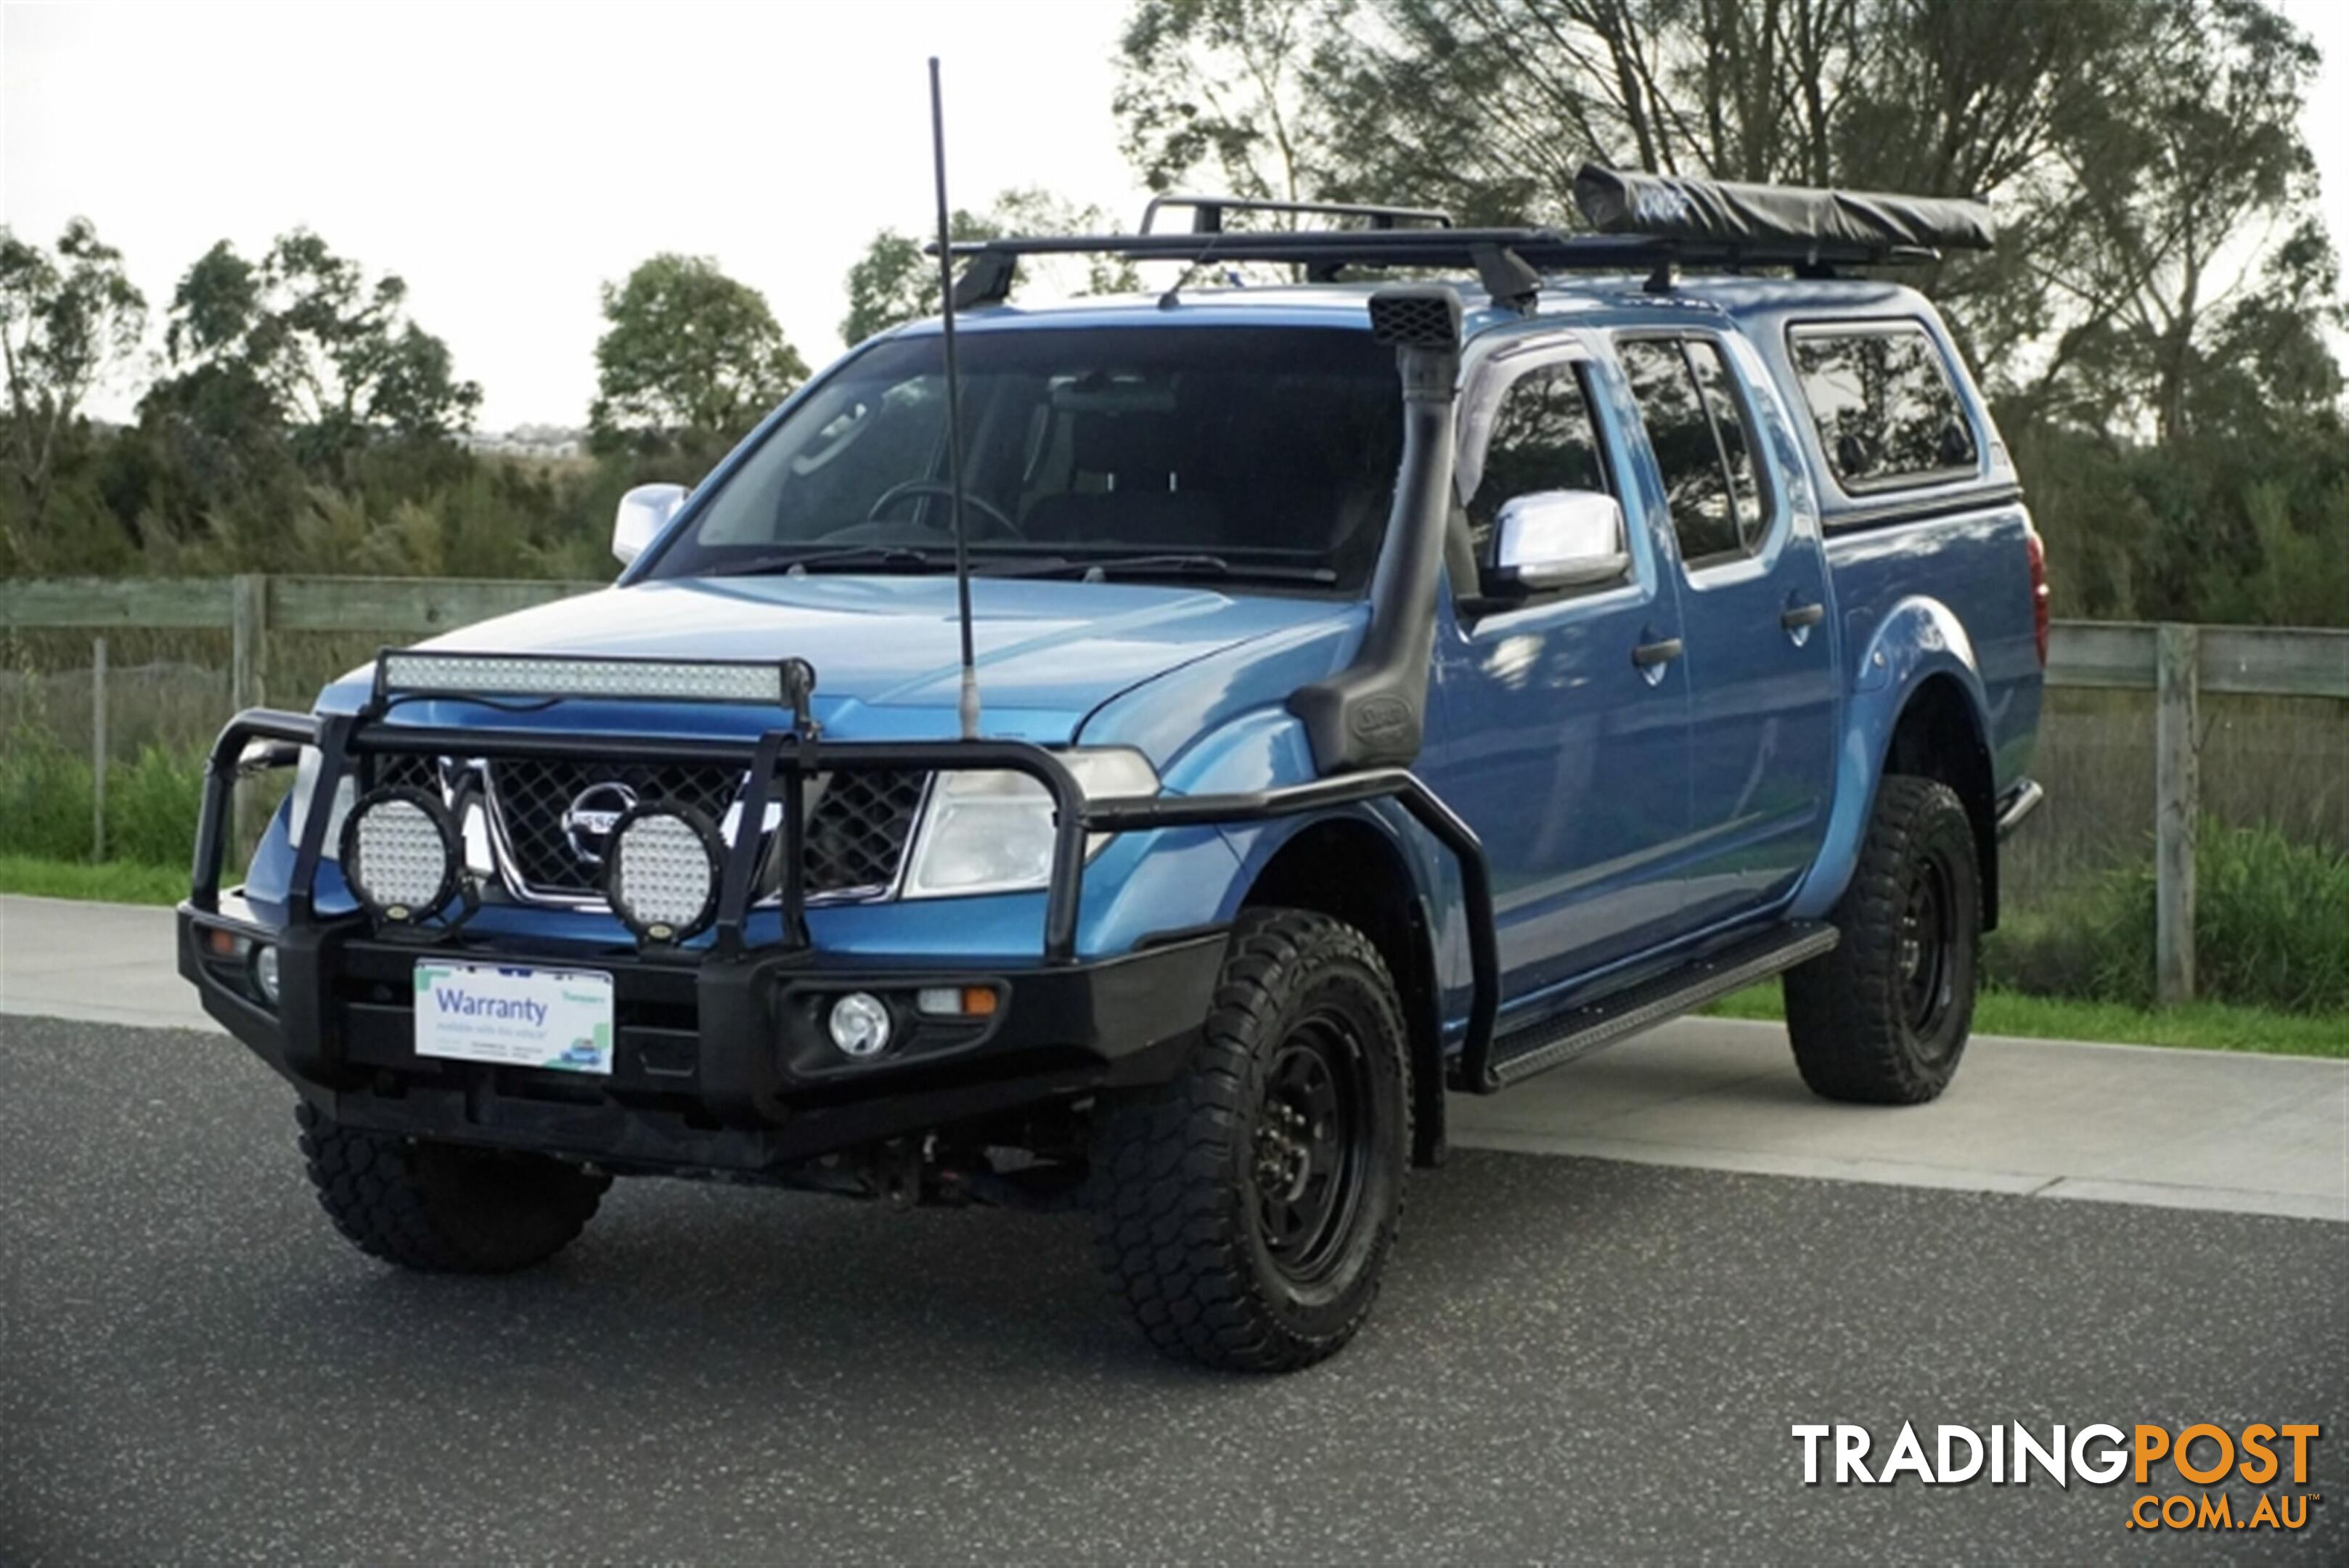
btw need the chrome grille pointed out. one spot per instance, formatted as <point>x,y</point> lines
<point>529,798</point>
<point>858,822</point>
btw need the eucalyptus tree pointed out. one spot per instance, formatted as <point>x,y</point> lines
<point>689,357</point>
<point>69,317</point>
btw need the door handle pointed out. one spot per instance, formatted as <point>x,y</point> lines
<point>1797,617</point>
<point>1651,655</point>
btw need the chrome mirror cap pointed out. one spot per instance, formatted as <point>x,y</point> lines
<point>1560,539</point>
<point>644,513</point>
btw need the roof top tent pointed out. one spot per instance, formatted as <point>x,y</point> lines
<point>1646,222</point>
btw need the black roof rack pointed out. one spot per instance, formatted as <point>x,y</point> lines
<point>1654,225</point>
<point>1207,211</point>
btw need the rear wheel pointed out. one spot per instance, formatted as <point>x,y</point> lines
<point>1883,1018</point>
<point>1244,1210</point>
<point>444,1208</point>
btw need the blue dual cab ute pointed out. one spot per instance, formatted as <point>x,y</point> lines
<point>1381,688</point>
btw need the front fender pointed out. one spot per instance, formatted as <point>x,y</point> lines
<point>1267,748</point>
<point>1920,640</point>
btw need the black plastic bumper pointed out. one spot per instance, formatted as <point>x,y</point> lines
<point>719,1064</point>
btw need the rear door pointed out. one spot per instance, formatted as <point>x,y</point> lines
<point>1751,578</point>
<point>1567,756</point>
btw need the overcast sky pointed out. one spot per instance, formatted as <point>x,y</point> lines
<point>506,160</point>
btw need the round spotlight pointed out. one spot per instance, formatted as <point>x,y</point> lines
<point>860,1025</point>
<point>660,871</point>
<point>401,853</point>
<point>264,972</point>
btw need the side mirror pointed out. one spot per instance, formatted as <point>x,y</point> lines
<point>644,513</point>
<point>1558,539</point>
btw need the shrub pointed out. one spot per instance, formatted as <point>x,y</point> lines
<point>151,803</point>
<point>44,799</point>
<point>151,807</point>
<point>2271,928</point>
<point>2270,920</point>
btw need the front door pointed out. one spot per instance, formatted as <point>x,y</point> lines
<point>1566,755</point>
<point>1753,589</point>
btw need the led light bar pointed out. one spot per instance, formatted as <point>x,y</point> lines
<point>779,682</point>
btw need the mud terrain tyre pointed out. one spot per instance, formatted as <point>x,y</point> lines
<point>443,1207</point>
<point>1244,1210</point>
<point>1883,1019</point>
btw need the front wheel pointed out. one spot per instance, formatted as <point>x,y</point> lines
<point>1244,1210</point>
<point>1883,1018</point>
<point>443,1208</point>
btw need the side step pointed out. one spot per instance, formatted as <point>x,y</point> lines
<point>1576,1032</point>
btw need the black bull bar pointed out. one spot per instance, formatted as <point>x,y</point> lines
<point>777,765</point>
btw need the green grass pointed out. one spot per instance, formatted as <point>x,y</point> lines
<point>2198,1025</point>
<point>2271,929</point>
<point>114,882</point>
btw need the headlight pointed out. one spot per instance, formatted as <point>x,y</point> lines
<point>306,785</point>
<point>990,830</point>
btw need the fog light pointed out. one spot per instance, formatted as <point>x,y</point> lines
<point>860,1025</point>
<point>264,972</point>
<point>661,872</point>
<point>401,853</point>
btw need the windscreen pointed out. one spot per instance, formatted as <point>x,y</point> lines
<point>1248,452</point>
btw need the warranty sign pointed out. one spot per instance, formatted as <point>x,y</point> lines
<point>515,1017</point>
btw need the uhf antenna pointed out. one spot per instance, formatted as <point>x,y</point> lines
<point>969,703</point>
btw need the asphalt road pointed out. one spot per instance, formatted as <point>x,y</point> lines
<point>1573,1360</point>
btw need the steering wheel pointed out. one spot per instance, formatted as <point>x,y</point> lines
<point>896,493</point>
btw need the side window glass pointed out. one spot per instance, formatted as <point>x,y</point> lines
<point>1691,450</point>
<point>1886,411</point>
<point>1737,450</point>
<point>1542,440</point>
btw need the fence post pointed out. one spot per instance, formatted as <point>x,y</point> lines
<point>248,678</point>
<point>2178,807</point>
<point>248,641</point>
<point>97,749</point>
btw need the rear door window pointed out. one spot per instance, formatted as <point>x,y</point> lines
<point>1697,427</point>
<point>1886,413</point>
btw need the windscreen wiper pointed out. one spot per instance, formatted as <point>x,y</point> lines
<point>848,558</point>
<point>1101,568</point>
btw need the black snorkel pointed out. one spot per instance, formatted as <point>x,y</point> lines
<point>1372,713</point>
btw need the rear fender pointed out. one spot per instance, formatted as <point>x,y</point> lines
<point>1920,640</point>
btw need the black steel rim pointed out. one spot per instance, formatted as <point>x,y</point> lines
<point>1311,1151</point>
<point>1926,953</point>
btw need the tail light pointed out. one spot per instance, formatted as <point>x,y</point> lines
<point>2037,550</point>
